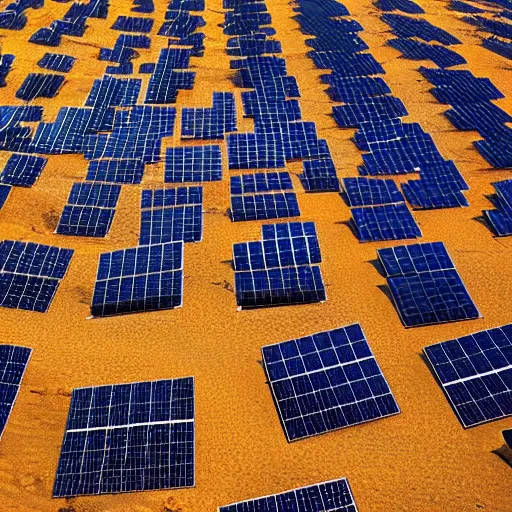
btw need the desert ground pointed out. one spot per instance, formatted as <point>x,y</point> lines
<point>419,460</point>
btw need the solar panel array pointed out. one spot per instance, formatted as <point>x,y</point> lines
<point>145,278</point>
<point>210,123</point>
<point>30,274</point>
<point>475,372</point>
<point>90,210</point>
<point>425,285</point>
<point>13,363</point>
<point>57,62</point>
<point>282,268</point>
<point>170,215</point>
<point>333,496</point>
<point>39,85</point>
<point>128,437</point>
<point>326,381</point>
<point>500,219</point>
<point>193,164</point>
<point>22,170</point>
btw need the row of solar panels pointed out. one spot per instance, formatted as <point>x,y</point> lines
<point>141,436</point>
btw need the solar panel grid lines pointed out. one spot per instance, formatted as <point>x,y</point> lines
<point>331,496</point>
<point>500,219</point>
<point>260,182</point>
<point>13,364</point>
<point>133,24</point>
<point>193,164</point>
<point>127,171</point>
<point>169,197</point>
<point>40,85</point>
<point>128,437</point>
<point>255,151</point>
<point>326,381</point>
<point>22,170</point>
<point>370,191</point>
<point>5,190</point>
<point>384,222</point>
<point>475,373</point>
<point>319,175</point>
<point>143,278</point>
<point>30,274</point>
<point>264,206</point>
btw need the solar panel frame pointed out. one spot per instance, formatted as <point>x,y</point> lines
<point>264,206</point>
<point>22,170</point>
<point>260,182</point>
<point>319,381</point>
<point>193,164</point>
<point>475,373</point>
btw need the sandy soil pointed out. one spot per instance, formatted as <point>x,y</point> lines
<point>420,460</point>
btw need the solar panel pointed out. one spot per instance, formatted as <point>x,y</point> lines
<point>368,191</point>
<point>127,171</point>
<point>475,372</point>
<point>143,278</point>
<point>497,153</point>
<point>38,85</point>
<point>423,196</point>
<point>128,437</point>
<point>255,151</point>
<point>260,182</point>
<point>133,24</point>
<point>264,206</point>
<point>386,222</point>
<point>5,190</point>
<point>279,286</point>
<point>283,245</point>
<point>193,164</point>
<point>502,48</point>
<point>57,62</point>
<point>13,363</point>
<point>319,175</point>
<point>415,50</point>
<point>94,194</point>
<point>168,197</point>
<point>415,258</point>
<point>22,170</point>
<point>401,5</point>
<point>336,495</point>
<point>431,297</point>
<point>30,274</point>
<point>326,381</point>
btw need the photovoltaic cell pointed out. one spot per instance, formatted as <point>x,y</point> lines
<point>38,85</point>
<point>475,372</point>
<point>133,24</point>
<point>129,171</point>
<point>22,170</point>
<point>5,190</point>
<point>143,278</point>
<point>319,175</point>
<point>167,197</point>
<point>193,164</point>
<point>30,274</point>
<point>333,496</point>
<point>57,62</point>
<point>264,206</point>
<point>326,381</point>
<point>128,437</point>
<point>369,192</point>
<point>423,196</point>
<point>385,222</point>
<point>13,363</point>
<point>255,151</point>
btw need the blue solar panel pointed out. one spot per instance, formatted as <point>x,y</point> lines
<point>114,92</point>
<point>425,196</point>
<point>255,151</point>
<point>497,153</point>
<point>30,274</point>
<point>352,89</point>
<point>38,85</point>
<point>128,437</point>
<point>283,245</point>
<point>163,225</point>
<point>439,55</point>
<point>260,182</point>
<point>319,175</point>
<point>279,286</point>
<point>143,278</point>
<point>431,298</point>
<point>326,381</point>
<point>193,164</point>
<point>115,171</point>
<point>85,221</point>
<point>13,363</point>
<point>415,258</point>
<point>5,190</point>
<point>94,194</point>
<point>368,109</point>
<point>400,5</point>
<point>22,170</point>
<point>501,218</point>
<point>57,62</point>
<point>475,372</point>
<point>313,498</point>
<point>264,206</point>
<point>503,48</point>
<point>132,24</point>
<point>457,5</point>
<point>171,197</point>
<point>484,117</point>
<point>351,65</point>
<point>368,191</point>
<point>387,222</point>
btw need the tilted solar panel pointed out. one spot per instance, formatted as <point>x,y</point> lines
<point>264,206</point>
<point>333,496</point>
<point>193,164</point>
<point>22,170</point>
<point>425,196</point>
<point>5,190</point>
<point>326,381</point>
<point>133,24</point>
<point>13,363</point>
<point>128,171</point>
<point>39,85</point>
<point>260,182</point>
<point>142,278</point>
<point>368,191</point>
<point>85,221</point>
<point>319,175</point>
<point>57,62</point>
<point>171,197</point>
<point>475,372</point>
<point>128,437</point>
<point>255,151</point>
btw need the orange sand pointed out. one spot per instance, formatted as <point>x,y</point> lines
<point>421,459</point>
